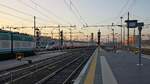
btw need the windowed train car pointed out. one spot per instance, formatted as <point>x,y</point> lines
<point>21,43</point>
<point>24,43</point>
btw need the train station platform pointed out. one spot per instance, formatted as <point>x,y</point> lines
<point>12,63</point>
<point>115,68</point>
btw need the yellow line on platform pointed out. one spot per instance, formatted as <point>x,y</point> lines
<point>91,73</point>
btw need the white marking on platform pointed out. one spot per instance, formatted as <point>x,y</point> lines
<point>146,56</point>
<point>107,74</point>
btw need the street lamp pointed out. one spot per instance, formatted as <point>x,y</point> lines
<point>140,52</point>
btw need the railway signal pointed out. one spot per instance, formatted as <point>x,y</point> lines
<point>37,38</point>
<point>61,38</point>
<point>92,38</point>
<point>99,36</point>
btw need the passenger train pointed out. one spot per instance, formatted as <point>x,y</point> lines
<point>26,44</point>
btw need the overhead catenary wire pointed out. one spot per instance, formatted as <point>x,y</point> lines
<point>121,12</point>
<point>2,5</point>
<point>38,11</point>
<point>73,5</point>
<point>131,6</point>
<point>18,17</point>
<point>49,12</point>
<point>123,8</point>
<point>73,12</point>
<point>128,7</point>
<point>21,12</point>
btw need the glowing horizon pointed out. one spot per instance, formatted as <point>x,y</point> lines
<point>57,12</point>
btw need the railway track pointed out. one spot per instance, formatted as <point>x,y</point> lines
<point>63,75</point>
<point>40,71</point>
<point>15,72</point>
<point>67,73</point>
<point>27,65</point>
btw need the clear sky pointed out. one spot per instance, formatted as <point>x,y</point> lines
<point>54,12</point>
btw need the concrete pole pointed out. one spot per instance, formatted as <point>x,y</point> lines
<point>128,32</point>
<point>140,30</point>
<point>34,25</point>
<point>113,38</point>
<point>108,39</point>
<point>134,38</point>
<point>12,46</point>
<point>59,37</point>
<point>121,33</point>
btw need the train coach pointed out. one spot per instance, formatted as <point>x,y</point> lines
<point>24,43</point>
<point>21,43</point>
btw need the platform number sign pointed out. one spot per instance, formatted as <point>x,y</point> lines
<point>131,23</point>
